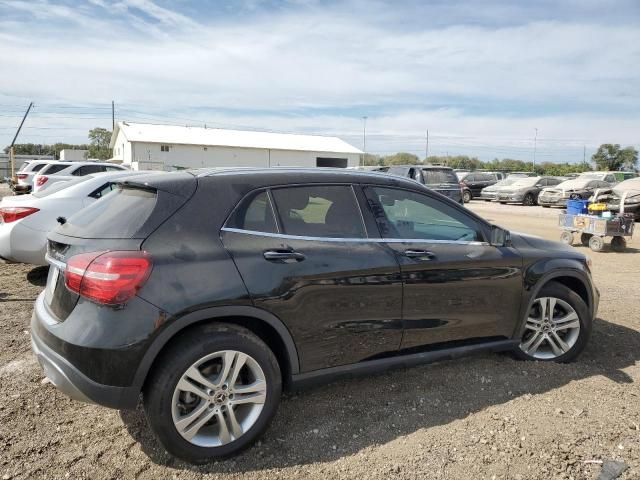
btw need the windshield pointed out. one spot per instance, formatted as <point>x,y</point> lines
<point>526,182</point>
<point>56,187</point>
<point>433,176</point>
<point>506,182</point>
<point>591,176</point>
<point>573,184</point>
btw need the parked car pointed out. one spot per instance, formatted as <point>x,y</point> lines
<point>489,193</point>
<point>62,171</point>
<point>475,182</point>
<point>525,190</point>
<point>630,190</point>
<point>26,220</point>
<point>608,177</point>
<point>578,188</point>
<point>26,173</point>
<point>209,292</point>
<point>440,179</point>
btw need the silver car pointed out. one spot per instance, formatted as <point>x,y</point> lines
<point>525,190</point>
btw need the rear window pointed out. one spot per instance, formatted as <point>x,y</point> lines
<point>119,214</point>
<point>433,176</point>
<point>53,168</point>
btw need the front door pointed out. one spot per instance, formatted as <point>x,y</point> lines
<point>456,286</point>
<point>304,255</point>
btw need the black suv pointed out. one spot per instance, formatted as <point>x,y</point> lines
<point>208,292</point>
<point>440,179</point>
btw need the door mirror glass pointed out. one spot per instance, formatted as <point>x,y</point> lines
<point>500,237</point>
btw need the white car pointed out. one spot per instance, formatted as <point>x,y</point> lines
<point>62,171</point>
<point>26,220</point>
<point>27,171</point>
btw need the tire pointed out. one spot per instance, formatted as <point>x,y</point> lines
<point>529,200</point>
<point>165,403</point>
<point>596,243</point>
<point>546,206</point>
<point>618,244</point>
<point>584,239</point>
<point>466,196</point>
<point>566,237</point>
<point>574,339</point>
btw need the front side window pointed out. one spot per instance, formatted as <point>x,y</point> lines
<point>255,214</point>
<point>404,214</point>
<point>319,211</point>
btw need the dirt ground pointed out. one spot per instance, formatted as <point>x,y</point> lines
<point>483,417</point>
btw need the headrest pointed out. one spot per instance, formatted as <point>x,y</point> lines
<point>297,198</point>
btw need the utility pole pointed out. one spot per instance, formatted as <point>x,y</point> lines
<point>535,144</point>
<point>113,116</point>
<point>584,154</point>
<point>12,156</point>
<point>426,153</point>
<point>364,139</point>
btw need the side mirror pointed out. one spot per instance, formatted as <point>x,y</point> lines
<point>500,237</point>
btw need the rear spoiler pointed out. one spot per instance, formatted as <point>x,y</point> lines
<point>182,184</point>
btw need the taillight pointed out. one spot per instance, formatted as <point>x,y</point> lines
<point>11,214</point>
<point>22,176</point>
<point>109,278</point>
<point>41,180</point>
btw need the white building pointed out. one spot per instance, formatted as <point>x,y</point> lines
<point>70,155</point>
<point>168,147</point>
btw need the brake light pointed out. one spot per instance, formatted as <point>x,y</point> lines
<point>42,179</point>
<point>108,278</point>
<point>22,176</point>
<point>11,214</point>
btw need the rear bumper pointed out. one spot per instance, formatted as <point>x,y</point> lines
<point>68,378</point>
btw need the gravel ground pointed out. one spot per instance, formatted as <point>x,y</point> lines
<point>481,417</point>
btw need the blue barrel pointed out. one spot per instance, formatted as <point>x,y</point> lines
<point>576,207</point>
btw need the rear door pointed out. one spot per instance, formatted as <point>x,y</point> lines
<point>456,286</point>
<point>305,256</point>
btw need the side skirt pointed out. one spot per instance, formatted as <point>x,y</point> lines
<point>326,375</point>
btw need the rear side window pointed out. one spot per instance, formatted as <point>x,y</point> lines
<point>255,214</point>
<point>53,168</point>
<point>38,166</point>
<point>120,214</point>
<point>88,169</point>
<point>434,176</point>
<point>319,211</point>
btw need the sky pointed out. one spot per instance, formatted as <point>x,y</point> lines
<point>484,78</point>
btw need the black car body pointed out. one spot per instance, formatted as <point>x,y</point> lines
<point>440,179</point>
<point>385,273</point>
<point>475,182</point>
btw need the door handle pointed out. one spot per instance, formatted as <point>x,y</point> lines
<point>424,254</point>
<point>284,256</point>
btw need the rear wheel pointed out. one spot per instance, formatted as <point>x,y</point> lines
<point>566,237</point>
<point>557,327</point>
<point>618,244</point>
<point>584,239</point>
<point>466,196</point>
<point>529,200</point>
<point>213,393</point>
<point>596,243</point>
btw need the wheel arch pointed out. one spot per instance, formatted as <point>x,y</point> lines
<point>263,324</point>
<point>576,279</point>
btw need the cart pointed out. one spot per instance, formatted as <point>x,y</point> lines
<point>593,229</point>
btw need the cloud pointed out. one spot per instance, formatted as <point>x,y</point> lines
<point>493,72</point>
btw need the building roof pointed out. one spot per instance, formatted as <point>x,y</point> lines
<point>179,135</point>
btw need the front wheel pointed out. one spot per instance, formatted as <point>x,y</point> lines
<point>213,393</point>
<point>466,196</point>
<point>529,200</point>
<point>557,327</point>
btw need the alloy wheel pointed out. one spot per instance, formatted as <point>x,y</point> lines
<point>552,329</point>
<point>219,398</point>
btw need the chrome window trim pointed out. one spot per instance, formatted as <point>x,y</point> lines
<point>352,240</point>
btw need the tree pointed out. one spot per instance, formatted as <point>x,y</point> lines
<point>372,160</point>
<point>611,157</point>
<point>401,158</point>
<point>99,139</point>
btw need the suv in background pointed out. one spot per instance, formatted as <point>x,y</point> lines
<point>63,171</point>
<point>474,182</point>
<point>209,291</point>
<point>440,179</point>
<point>25,175</point>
